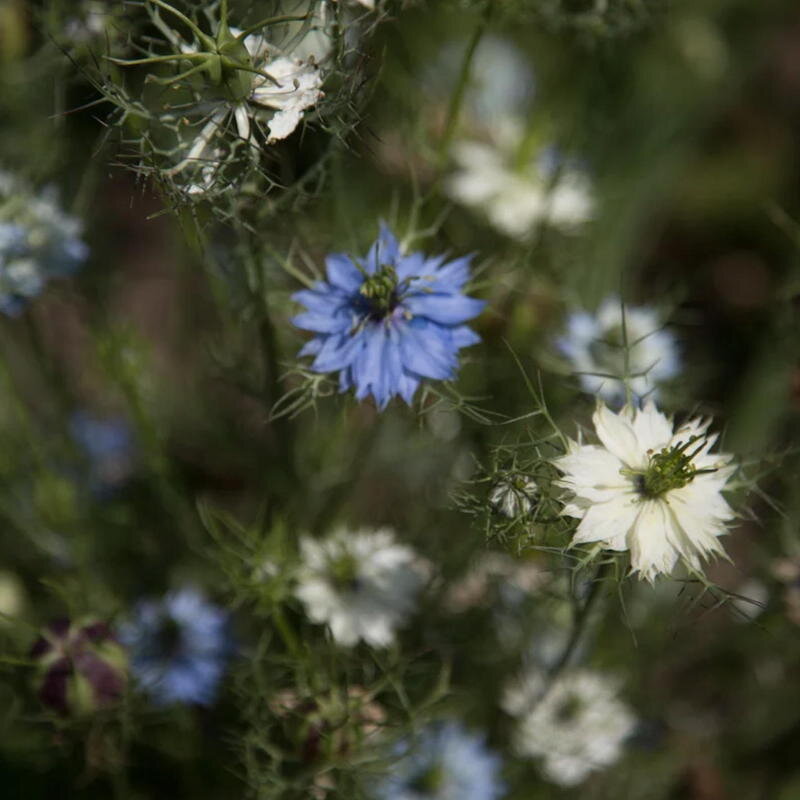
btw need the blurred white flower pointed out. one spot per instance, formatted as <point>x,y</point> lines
<point>501,83</point>
<point>362,585</point>
<point>595,345</point>
<point>575,726</point>
<point>514,495</point>
<point>516,197</point>
<point>647,489</point>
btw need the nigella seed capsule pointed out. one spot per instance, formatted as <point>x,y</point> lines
<point>81,667</point>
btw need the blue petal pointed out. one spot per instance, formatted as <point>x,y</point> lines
<point>311,347</point>
<point>415,265</point>
<point>367,365</point>
<point>444,309</point>
<point>386,250</point>
<point>407,386</point>
<point>464,336</point>
<point>455,274</point>
<point>319,300</point>
<point>338,352</point>
<point>425,352</point>
<point>342,272</point>
<point>323,323</point>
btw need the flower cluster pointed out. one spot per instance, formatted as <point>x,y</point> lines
<point>388,321</point>
<point>38,241</point>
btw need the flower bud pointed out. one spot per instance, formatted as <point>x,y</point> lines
<point>81,666</point>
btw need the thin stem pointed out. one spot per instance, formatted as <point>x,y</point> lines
<point>123,62</point>
<point>270,21</point>
<point>166,81</point>
<point>457,100</point>
<point>207,41</point>
<point>287,633</point>
<point>580,625</point>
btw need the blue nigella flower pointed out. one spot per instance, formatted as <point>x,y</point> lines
<point>389,320</point>
<point>444,763</point>
<point>178,647</point>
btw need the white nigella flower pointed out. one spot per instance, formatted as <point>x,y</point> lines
<point>595,345</point>
<point>268,96</point>
<point>362,585</point>
<point>648,489</point>
<point>575,726</point>
<point>514,495</point>
<point>515,197</point>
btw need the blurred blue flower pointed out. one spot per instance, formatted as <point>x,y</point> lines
<point>389,320</point>
<point>108,445</point>
<point>178,647</point>
<point>444,763</point>
<point>38,241</point>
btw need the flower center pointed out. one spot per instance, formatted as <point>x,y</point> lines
<point>672,468</point>
<point>168,639</point>
<point>568,709</point>
<point>343,572</point>
<point>380,291</point>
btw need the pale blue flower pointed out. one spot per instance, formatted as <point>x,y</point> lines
<point>38,241</point>
<point>179,647</point>
<point>595,346</point>
<point>445,762</point>
<point>387,321</point>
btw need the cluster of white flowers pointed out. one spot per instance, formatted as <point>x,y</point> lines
<point>362,584</point>
<point>648,489</point>
<point>574,725</point>
<point>618,343</point>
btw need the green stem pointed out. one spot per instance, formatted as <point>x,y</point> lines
<point>580,624</point>
<point>205,40</point>
<point>457,100</point>
<point>287,634</point>
<point>270,21</point>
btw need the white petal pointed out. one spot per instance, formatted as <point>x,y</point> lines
<point>652,428</point>
<point>608,521</point>
<point>652,552</point>
<point>616,433</point>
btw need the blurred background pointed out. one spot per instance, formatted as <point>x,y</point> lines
<point>138,386</point>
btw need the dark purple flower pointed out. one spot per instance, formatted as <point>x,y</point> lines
<point>81,666</point>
